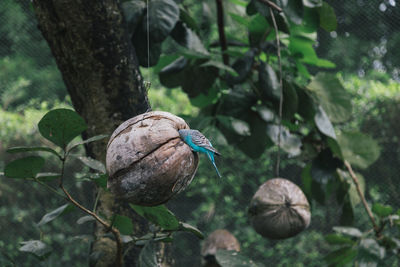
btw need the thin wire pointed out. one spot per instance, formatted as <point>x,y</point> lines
<point>148,46</point>
<point>278,153</point>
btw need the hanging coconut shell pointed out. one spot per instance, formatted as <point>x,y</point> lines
<point>217,240</point>
<point>147,162</point>
<point>279,209</point>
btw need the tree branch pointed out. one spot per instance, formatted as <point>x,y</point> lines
<point>271,5</point>
<point>115,231</point>
<point>353,176</point>
<point>221,31</point>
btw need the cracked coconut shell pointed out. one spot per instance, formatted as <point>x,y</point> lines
<point>147,162</point>
<point>279,209</point>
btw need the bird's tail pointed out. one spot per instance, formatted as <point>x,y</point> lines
<point>216,169</point>
<point>211,157</point>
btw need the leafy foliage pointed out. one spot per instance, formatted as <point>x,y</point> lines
<point>236,104</point>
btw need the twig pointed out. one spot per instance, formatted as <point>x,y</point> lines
<point>48,187</point>
<point>278,153</point>
<point>221,31</point>
<point>271,5</point>
<point>115,231</point>
<point>353,176</point>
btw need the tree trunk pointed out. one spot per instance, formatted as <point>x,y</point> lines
<point>99,67</point>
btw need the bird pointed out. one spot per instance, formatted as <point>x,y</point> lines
<point>199,143</point>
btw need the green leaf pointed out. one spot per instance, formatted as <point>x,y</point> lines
<point>350,231</point>
<point>193,78</point>
<point>84,219</point>
<point>123,224</point>
<point>347,216</point>
<point>332,96</point>
<point>290,101</point>
<point>294,10</point>
<point>341,257</point>
<point>36,247</point>
<point>221,66</point>
<point>152,237</point>
<point>147,55</point>
<point>188,38</point>
<point>47,176</point>
<point>240,19</point>
<point>239,2</point>
<point>334,147</point>
<point>164,61</point>
<point>190,22</point>
<point>163,15</point>
<point>172,75</point>
<point>133,13</point>
<point>269,83</point>
<point>251,8</point>
<point>100,180</point>
<point>60,126</point>
<point>335,239</point>
<point>91,139</point>
<point>189,228</point>
<point>289,142</point>
<point>24,168</point>
<point>242,67</point>
<point>229,258</point>
<point>303,49</point>
<point>352,190</point>
<point>257,132</point>
<point>306,180</point>
<point>358,148</point>
<point>312,3</point>
<point>372,247</point>
<point>257,29</point>
<point>265,113</point>
<point>238,126</point>
<point>382,210</point>
<point>148,255</point>
<point>307,110</point>
<point>48,217</point>
<point>159,215</point>
<point>324,166</point>
<point>205,99</point>
<point>327,17</point>
<point>93,164</point>
<point>324,124</point>
<point>20,149</point>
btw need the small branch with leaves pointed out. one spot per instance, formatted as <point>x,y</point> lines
<point>119,256</point>
<point>377,229</point>
<point>28,168</point>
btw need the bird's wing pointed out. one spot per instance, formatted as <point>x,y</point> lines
<point>200,140</point>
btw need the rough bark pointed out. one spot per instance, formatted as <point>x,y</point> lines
<point>99,67</point>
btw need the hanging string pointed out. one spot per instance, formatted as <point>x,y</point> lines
<point>147,83</point>
<point>278,153</point>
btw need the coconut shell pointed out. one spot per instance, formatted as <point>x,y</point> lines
<point>219,239</point>
<point>147,162</point>
<point>279,209</point>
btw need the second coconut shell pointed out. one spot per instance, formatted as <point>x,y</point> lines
<point>279,209</point>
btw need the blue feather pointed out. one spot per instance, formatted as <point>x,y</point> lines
<point>199,143</point>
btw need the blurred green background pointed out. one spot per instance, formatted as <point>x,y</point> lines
<point>365,50</point>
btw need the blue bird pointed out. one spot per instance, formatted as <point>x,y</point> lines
<point>199,143</point>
